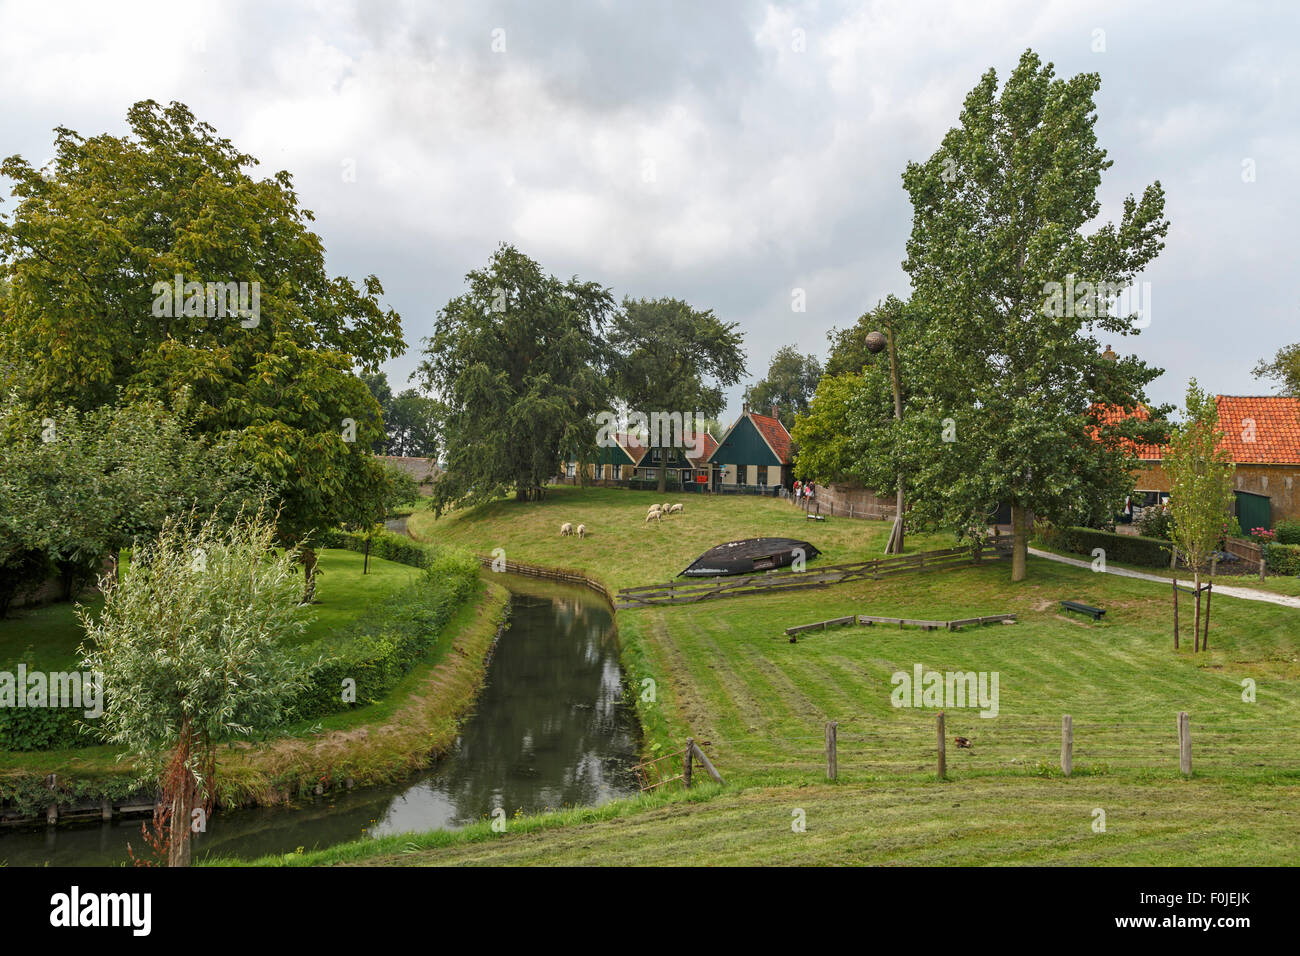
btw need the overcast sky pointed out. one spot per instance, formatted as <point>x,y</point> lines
<point>724,153</point>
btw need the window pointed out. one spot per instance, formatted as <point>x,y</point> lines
<point>571,469</point>
<point>650,474</point>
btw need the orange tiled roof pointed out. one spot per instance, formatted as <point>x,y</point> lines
<point>1113,415</point>
<point>707,449</point>
<point>1260,429</point>
<point>1257,429</point>
<point>775,433</point>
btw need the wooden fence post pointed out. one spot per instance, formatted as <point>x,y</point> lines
<point>52,811</point>
<point>832,760</point>
<point>686,762</point>
<point>1067,745</point>
<point>1184,744</point>
<point>706,763</point>
<point>943,752</point>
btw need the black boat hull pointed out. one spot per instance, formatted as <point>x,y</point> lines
<point>749,556</point>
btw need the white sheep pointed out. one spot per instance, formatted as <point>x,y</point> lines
<point>656,508</point>
<point>582,531</point>
<point>655,514</point>
<point>566,529</point>
<point>676,508</point>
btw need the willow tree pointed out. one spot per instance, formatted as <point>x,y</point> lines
<point>1200,473</point>
<point>190,649</point>
<point>1015,282</point>
<point>517,362</point>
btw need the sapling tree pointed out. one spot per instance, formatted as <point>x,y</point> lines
<point>1200,490</point>
<point>190,649</point>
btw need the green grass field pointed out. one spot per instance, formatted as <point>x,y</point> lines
<point>621,550</point>
<point>725,674</point>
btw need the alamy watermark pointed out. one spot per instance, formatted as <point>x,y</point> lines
<point>946,690</point>
<point>1080,298</point>
<point>658,429</point>
<point>75,689</point>
<point>210,300</point>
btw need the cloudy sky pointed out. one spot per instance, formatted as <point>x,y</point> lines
<point>725,153</point>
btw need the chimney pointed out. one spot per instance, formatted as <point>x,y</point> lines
<point>775,412</point>
<point>1109,354</point>
<point>744,408</point>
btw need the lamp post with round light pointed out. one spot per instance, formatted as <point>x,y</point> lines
<point>876,342</point>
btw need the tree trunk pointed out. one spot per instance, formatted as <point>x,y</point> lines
<point>1196,626</point>
<point>178,846</point>
<point>309,575</point>
<point>1020,544</point>
<point>521,493</point>
<point>663,475</point>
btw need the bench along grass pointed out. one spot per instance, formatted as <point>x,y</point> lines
<point>869,620</point>
<point>1095,613</point>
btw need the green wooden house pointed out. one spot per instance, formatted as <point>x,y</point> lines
<point>754,455</point>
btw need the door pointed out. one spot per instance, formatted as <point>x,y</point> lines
<point>1253,511</point>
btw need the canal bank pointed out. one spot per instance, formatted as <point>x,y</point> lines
<point>551,728</point>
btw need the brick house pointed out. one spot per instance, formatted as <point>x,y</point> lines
<point>1262,433</point>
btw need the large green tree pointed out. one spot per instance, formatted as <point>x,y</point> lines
<point>789,385</point>
<point>79,485</point>
<point>518,364</point>
<point>1005,379</point>
<point>92,253</point>
<point>671,358</point>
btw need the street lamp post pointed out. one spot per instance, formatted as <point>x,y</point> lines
<point>875,343</point>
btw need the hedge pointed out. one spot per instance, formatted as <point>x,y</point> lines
<point>1282,558</point>
<point>1287,531</point>
<point>377,650</point>
<point>1122,548</point>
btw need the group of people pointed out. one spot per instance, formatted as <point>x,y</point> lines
<point>805,490</point>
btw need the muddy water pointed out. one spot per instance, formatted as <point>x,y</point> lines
<point>549,730</point>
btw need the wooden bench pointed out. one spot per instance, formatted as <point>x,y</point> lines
<point>1094,612</point>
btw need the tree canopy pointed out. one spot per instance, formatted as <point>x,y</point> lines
<point>669,357</point>
<point>789,385</point>
<point>518,364</point>
<point>154,263</point>
<point>1005,382</point>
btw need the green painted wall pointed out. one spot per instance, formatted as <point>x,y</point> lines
<point>744,446</point>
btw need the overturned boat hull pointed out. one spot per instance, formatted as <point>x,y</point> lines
<point>748,556</point>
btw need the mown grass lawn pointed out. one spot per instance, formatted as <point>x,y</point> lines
<point>724,673</point>
<point>621,550</point>
<point>979,822</point>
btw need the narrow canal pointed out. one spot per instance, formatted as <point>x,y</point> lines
<point>550,729</point>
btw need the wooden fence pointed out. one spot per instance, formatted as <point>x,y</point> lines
<point>705,589</point>
<point>550,574</point>
<point>871,619</point>
<point>1182,729</point>
<point>664,769</point>
<point>1250,552</point>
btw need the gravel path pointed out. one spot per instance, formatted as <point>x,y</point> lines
<point>1246,594</point>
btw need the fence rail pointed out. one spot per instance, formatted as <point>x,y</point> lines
<point>706,589</point>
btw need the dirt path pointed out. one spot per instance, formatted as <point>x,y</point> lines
<point>1246,594</point>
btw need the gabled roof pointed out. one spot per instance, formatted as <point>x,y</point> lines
<point>631,447</point>
<point>709,446</point>
<point>769,429</point>
<point>774,434</point>
<point>1260,429</point>
<point>1257,429</point>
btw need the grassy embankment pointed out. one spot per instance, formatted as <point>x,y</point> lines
<point>725,674</point>
<point>374,743</point>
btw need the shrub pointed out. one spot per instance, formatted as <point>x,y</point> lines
<point>1282,558</point>
<point>1123,548</point>
<point>1156,522</point>
<point>1287,531</point>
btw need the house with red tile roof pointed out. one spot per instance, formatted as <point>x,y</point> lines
<point>754,454</point>
<point>1262,434</point>
<point>630,458</point>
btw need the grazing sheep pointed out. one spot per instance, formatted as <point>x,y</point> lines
<point>566,529</point>
<point>582,531</point>
<point>655,508</point>
<point>676,508</point>
<point>656,515</point>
